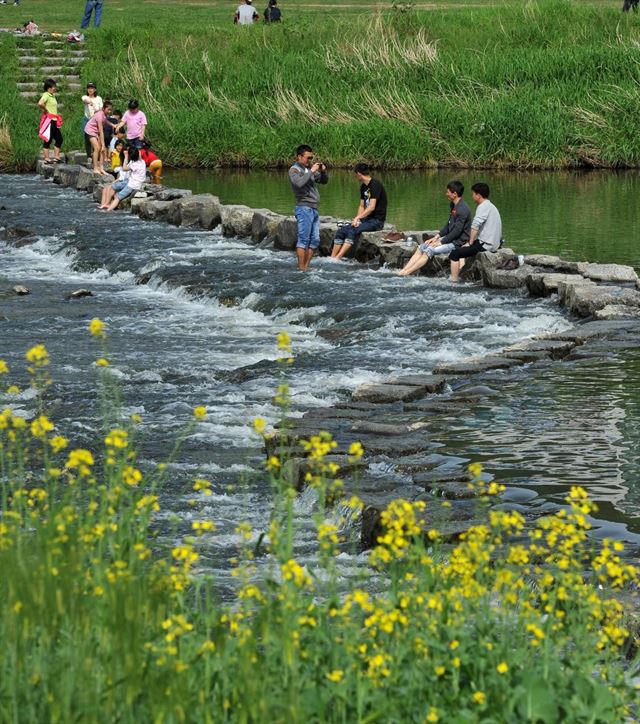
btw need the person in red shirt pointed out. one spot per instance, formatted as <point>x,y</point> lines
<point>154,164</point>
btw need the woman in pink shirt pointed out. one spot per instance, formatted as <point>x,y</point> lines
<point>136,122</point>
<point>95,131</point>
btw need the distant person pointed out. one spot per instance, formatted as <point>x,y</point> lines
<point>116,192</point>
<point>95,131</point>
<point>153,162</point>
<point>453,234</point>
<point>371,215</point>
<point>486,231</point>
<point>303,177</point>
<point>272,12</point>
<point>94,6</point>
<point>246,14</point>
<point>50,121</point>
<point>630,4</point>
<point>92,104</point>
<point>136,122</point>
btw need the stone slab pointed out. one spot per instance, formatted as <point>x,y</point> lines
<point>610,273</point>
<point>474,365</point>
<point>389,393</point>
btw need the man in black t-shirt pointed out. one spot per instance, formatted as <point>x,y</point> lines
<point>371,215</point>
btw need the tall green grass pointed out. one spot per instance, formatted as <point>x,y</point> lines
<point>544,84</point>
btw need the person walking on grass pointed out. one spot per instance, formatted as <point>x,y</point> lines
<point>371,215</point>
<point>272,13</point>
<point>453,234</point>
<point>94,6</point>
<point>245,14</point>
<point>116,192</point>
<point>50,121</point>
<point>628,4</point>
<point>486,231</point>
<point>303,176</point>
<point>95,131</point>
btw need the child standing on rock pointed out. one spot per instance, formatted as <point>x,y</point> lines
<point>50,121</point>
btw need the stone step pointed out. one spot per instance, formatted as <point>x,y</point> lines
<point>53,43</point>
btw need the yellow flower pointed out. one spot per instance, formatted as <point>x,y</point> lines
<point>58,443</point>
<point>4,367</point>
<point>41,426</point>
<point>259,425</point>
<point>102,362</point>
<point>284,341</point>
<point>336,675</point>
<point>200,412</point>
<point>454,645</point>
<point>440,670</point>
<point>117,439</point>
<point>97,327</point>
<point>479,697</point>
<point>38,355</point>
<point>273,463</point>
<point>432,716</point>
<point>356,451</point>
<point>81,459</point>
<point>131,476</point>
<point>502,667</point>
<point>13,390</point>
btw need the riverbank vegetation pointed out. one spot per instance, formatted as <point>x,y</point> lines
<point>547,83</point>
<point>102,619</point>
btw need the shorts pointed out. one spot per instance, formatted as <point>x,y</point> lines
<point>308,227</point>
<point>122,189</point>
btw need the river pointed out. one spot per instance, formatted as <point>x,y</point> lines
<point>202,331</point>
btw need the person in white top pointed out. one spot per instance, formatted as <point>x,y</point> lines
<point>486,231</point>
<point>113,194</point>
<point>92,104</point>
<point>246,14</point>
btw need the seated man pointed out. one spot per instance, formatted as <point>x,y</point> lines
<point>453,234</point>
<point>486,231</point>
<point>371,215</point>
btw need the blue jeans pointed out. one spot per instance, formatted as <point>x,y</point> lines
<point>96,6</point>
<point>308,227</point>
<point>347,233</point>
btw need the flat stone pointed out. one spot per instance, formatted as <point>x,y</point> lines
<point>597,329</point>
<point>389,393</point>
<point>543,285</point>
<point>167,194</point>
<point>506,278</point>
<point>152,209</point>
<point>474,365</point>
<point>396,446</point>
<point>555,348</point>
<point>526,356</point>
<point>381,428</point>
<point>610,273</point>
<point>586,298</point>
<point>46,170</point>
<point>237,220</point>
<point>432,383</point>
<point>66,175</point>
<point>286,235</point>
<point>87,180</point>
<point>264,224</point>
<point>199,210</point>
<point>553,263</point>
<point>616,311</point>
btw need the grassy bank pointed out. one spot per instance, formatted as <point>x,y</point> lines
<point>101,620</point>
<point>540,84</point>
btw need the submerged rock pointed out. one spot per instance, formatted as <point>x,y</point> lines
<point>21,290</point>
<point>79,293</point>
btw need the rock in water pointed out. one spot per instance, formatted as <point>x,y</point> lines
<point>80,293</point>
<point>20,290</point>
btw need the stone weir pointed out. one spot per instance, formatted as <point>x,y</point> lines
<point>396,420</point>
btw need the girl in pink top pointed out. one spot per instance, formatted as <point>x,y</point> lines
<point>136,122</point>
<point>95,130</point>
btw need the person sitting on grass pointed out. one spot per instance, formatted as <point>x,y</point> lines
<point>371,215</point>
<point>154,163</point>
<point>95,132</point>
<point>50,122</point>
<point>116,192</point>
<point>486,231</point>
<point>453,234</point>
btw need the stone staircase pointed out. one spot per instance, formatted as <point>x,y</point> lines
<point>47,57</point>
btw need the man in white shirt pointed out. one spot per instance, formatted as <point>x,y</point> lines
<point>245,14</point>
<point>486,231</point>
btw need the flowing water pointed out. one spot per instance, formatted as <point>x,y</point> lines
<point>202,331</point>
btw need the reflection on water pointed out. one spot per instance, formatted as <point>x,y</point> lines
<point>578,215</point>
